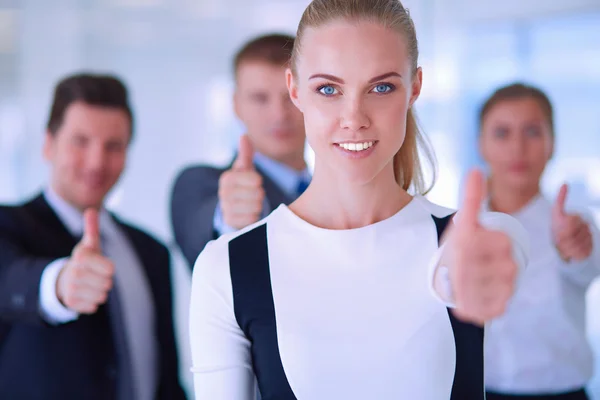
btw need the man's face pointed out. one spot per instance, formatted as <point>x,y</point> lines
<point>275,126</point>
<point>87,153</point>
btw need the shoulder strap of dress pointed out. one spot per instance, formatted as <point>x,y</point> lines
<point>468,339</point>
<point>255,310</point>
<point>441,224</point>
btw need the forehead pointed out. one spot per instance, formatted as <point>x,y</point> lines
<point>353,48</point>
<point>99,121</point>
<point>516,110</point>
<point>259,75</point>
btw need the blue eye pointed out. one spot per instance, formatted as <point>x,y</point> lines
<point>383,88</point>
<point>327,90</point>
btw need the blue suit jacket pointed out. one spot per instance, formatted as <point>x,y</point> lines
<point>75,360</point>
<point>194,200</point>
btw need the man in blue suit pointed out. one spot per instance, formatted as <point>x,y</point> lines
<point>85,298</point>
<point>269,168</point>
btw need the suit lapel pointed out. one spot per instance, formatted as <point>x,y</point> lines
<point>44,221</point>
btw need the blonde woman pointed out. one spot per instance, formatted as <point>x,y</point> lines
<point>345,294</point>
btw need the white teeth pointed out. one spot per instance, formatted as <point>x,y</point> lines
<point>356,146</point>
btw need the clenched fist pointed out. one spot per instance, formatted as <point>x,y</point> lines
<point>87,277</point>
<point>571,234</point>
<point>482,269</point>
<point>241,192</point>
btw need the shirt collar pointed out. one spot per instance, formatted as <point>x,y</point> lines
<point>72,218</point>
<point>537,202</point>
<point>282,175</point>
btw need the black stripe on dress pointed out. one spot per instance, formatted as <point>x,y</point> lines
<point>255,310</point>
<point>468,339</point>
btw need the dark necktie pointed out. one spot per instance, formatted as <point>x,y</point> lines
<point>302,185</point>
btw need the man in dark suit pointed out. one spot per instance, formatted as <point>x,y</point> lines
<point>269,168</point>
<point>85,299</point>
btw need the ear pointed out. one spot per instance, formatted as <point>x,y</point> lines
<point>292,88</point>
<point>48,144</point>
<point>551,153</point>
<point>480,146</point>
<point>417,83</point>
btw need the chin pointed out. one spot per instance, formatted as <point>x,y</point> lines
<point>91,203</point>
<point>522,183</point>
<point>285,152</point>
<point>92,198</point>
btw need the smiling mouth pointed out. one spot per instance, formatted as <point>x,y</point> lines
<point>360,146</point>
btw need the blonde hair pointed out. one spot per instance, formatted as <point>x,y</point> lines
<point>390,14</point>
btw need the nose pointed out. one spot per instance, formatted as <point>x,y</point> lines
<point>96,157</point>
<point>353,115</point>
<point>518,145</point>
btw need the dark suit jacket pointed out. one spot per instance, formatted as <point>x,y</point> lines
<point>193,202</point>
<point>75,360</point>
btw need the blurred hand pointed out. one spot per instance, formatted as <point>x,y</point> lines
<point>482,270</point>
<point>241,192</point>
<point>87,277</point>
<point>571,234</point>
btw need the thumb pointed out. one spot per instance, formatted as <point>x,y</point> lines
<point>558,210</point>
<point>245,154</point>
<point>91,230</point>
<point>474,197</point>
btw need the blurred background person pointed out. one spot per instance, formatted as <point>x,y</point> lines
<point>86,307</point>
<point>269,168</point>
<point>538,349</point>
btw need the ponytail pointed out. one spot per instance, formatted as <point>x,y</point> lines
<point>407,163</point>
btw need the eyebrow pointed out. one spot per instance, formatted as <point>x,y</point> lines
<point>341,81</point>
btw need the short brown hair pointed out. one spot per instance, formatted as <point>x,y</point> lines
<point>518,91</point>
<point>275,48</point>
<point>94,90</point>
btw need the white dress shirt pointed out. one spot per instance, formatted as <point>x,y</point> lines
<point>134,293</point>
<point>539,345</point>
